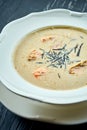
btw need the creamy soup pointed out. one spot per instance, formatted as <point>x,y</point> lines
<point>53,58</point>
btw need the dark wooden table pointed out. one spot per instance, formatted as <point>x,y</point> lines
<point>11,10</point>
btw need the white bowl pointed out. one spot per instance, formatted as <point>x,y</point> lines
<point>10,37</point>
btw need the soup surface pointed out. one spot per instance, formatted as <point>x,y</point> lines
<point>53,58</point>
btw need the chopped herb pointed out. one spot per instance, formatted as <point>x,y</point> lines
<point>75,48</point>
<point>60,57</point>
<point>59,75</point>
<point>78,53</point>
<point>43,52</point>
<point>60,48</point>
<point>39,62</point>
<point>68,52</point>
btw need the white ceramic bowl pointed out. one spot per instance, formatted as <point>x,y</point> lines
<point>10,37</point>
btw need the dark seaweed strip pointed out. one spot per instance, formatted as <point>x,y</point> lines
<point>64,46</point>
<point>75,48</point>
<point>70,51</point>
<point>39,62</point>
<point>43,52</point>
<point>60,48</point>
<point>59,75</point>
<point>60,57</point>
<point>79,50</point>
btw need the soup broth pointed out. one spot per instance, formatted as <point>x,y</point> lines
<point>53,58</point>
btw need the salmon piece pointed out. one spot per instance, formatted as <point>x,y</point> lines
<point>79,68</point>
<point>47,38</point>
<point>39,72</point>
<point>34,55</point>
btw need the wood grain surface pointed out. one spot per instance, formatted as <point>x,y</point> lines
<point>11,10</point>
